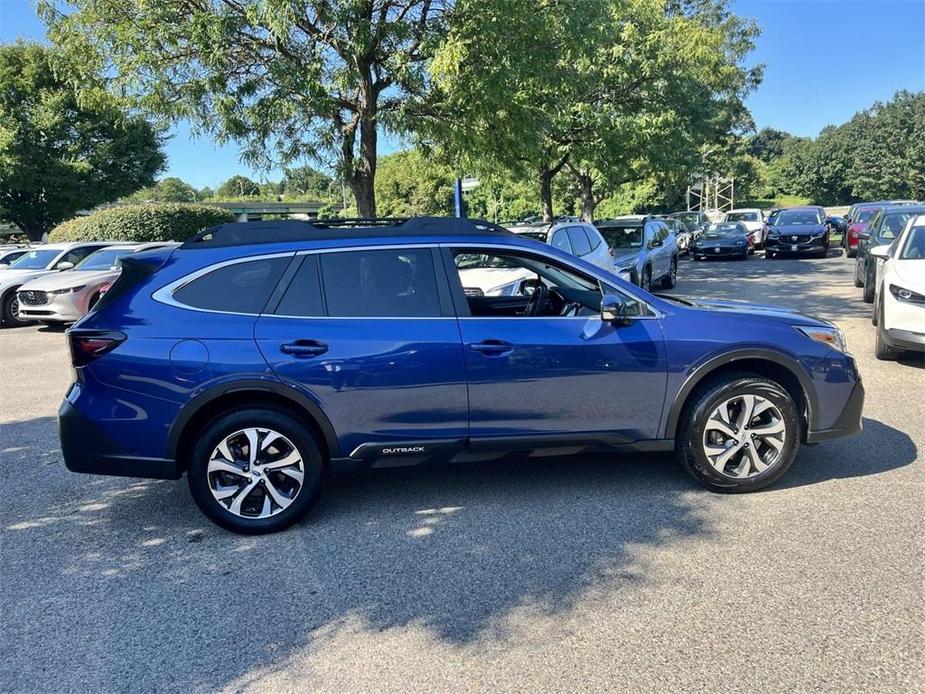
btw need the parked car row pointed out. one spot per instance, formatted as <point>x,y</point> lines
<point>60,282</point>
<point>890,270</point>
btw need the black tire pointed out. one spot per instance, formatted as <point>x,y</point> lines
<point>882,349</point>
<point>769,255</point>
<point>223,426</point>
<point>869,288</point>
<point>645,281</point>
<point>858,282</point>
<point>744,256</point>
<point>10,310</point>
<point>691,430</point>
<point>671,279</point>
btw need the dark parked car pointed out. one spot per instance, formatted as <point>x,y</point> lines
<point>883,228</point>
<point>696,222</point>
<point>798,230</point>
<point>256,357</point>
<point>724,240</point>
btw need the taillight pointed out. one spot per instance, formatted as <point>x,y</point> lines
<point>88,345</point>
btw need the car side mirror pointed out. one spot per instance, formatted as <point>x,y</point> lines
<point>863,235</point>
<point>614,309</point>
<point>881,252</point>
<point>65,266</point>
<point>655,243</point>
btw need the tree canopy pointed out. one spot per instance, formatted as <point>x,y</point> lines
<point>59,153</point>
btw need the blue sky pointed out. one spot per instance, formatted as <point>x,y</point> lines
<point>825,60</point>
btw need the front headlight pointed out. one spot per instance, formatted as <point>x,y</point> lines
<point>903,294</point>
<point>832,337</point>
<point>69,290</point>
<point>740,243</point>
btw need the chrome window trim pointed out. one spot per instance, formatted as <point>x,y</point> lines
<point>165,293</point>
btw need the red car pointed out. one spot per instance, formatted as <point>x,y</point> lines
<point>857,223</point>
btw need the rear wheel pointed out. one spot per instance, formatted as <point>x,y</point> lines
<point>741,433</point>
<point>10,311</point>
<point>858,282</point>
<point>255,471</point>
<point>671,279</point>
<point>868,288</point>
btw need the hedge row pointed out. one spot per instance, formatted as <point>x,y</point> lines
<point>144,222</point>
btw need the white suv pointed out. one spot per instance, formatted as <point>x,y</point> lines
<point>899,302</point>
<point>753,220</point>
<point>38,261</point>
<point>578,238</point>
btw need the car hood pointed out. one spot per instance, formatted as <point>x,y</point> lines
<point>66,280</point>
<point>13,277</point>
<point>910,273</point>
<point>767,310</point>
<point>801,229</point>
<point>623,256</point>
<point>488,278</point>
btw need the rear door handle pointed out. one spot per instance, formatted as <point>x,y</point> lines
<point>304,348</point>
<point>492,347</point>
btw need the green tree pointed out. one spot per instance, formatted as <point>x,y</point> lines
<point>307,78</point>
<point>411,184</point>
<point>646,82</point>
<point>59,154</point>
<point>170,189</point>
<point>304,181</point>
<point>238,187</point>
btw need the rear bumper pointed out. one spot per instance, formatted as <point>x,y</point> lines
<point>848,423</point>
<point>87,449</point>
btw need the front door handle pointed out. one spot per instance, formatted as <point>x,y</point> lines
<point>304,348</point>
<point>492,347</point>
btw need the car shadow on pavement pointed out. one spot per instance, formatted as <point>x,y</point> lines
<point>128,568</point>
<point>878,448</point>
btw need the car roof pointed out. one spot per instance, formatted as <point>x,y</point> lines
<point>288,231</point>
<point>887,209</point>
<point>627,218</point>
<point>745,209</point>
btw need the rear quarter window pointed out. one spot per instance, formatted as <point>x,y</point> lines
<point>242,287</point>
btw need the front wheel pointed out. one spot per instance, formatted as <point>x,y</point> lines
<point>10,311</point>
<point>741,433</point>
<point>882,349</point>
<point>255,471</point>
<point>868,288</point>
<point>769,255</point>
<point>646,281</point>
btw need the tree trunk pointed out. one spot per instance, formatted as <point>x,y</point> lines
<point>545,180</point>
<point>586,195</point>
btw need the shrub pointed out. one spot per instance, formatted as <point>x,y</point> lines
<point>145,222</point>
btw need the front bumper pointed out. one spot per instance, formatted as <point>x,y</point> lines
<point>905,339</point>
<point>61,308</point>
<point>719,251</point>
<point>87,449</point>
<point>791,243</point>
<point>849,421</point>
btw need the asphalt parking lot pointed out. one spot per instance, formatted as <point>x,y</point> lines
<point>590,574</point>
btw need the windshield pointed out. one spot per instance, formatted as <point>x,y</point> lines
<point>724,230</point>
<point>914,248</point>
<point>35,260</point>
<point>865,215</point>
<point>742,217</point>
<point>797,217</point>
<point>103,260</point>
<point>622,237</point>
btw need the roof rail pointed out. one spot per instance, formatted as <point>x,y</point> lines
<point>245,233</point>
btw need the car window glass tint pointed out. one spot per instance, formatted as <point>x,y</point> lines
<point>303,295</point>
<point>593,237</point>
<point>382,283</point>
<point>579,241</point>
<point>560,241</point>
<point>236,288</point>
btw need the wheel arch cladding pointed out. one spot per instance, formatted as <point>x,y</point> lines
<point>765,363</point>
<point>211,404</point>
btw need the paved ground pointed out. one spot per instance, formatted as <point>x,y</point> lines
<point>591,574</point>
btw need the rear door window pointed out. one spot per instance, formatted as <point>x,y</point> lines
<point>580,244</point>
<point>242,287</point>
<point>560,241</point>
<point>388,283</point>
<point>594,238</point>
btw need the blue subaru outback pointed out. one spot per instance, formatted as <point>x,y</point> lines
<point>256,357</point>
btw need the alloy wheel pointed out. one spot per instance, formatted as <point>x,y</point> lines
<point>255,473</point>
<point>744,436</point>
